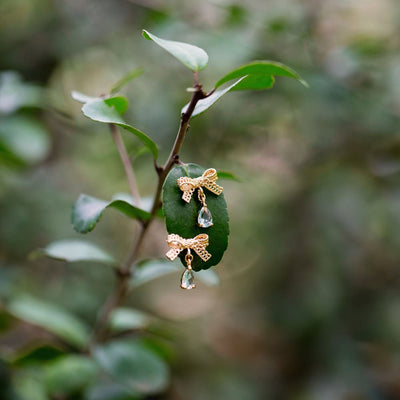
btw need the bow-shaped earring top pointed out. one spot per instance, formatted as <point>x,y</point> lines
<point>207,180</point>
<point>178,244</point>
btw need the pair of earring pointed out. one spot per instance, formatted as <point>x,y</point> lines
<point>204,219</point>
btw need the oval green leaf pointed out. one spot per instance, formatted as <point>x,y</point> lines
<point>68,374</point>
<point>181,217</point>
<point>126,319</point>
<point>50,317</point>
<point>193,57</point>
<point>99,110</point>
<point>88,210</point>
<point>204,104</point>
<point>75,250</point>
<point>133,365</point>
<point>259,75</point>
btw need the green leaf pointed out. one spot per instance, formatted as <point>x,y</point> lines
<point>50,317</point>
<point>204,104</point>
<point>125,319</point>
<point>181,217</point>
<point>74,250</point>
<point>82,98</point>
<point>152,269</point>
<point>36,353</point>
<point>259,75</point>
<point>99,110</point>
<point>29,386</point>
<point>193,57</point>
<point>88,211</point>
<point>120,103</point>
<point>228,175</point>
<point>126,79</point>
<point>134,366</point>
<point>68,374</point>
<point>25,137</point>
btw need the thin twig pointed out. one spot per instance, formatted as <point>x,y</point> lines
<point>127,269</point>
<point>130,175</point>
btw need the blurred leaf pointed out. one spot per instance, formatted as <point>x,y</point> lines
<point>193,57</point>
<point>74,250</point>
<point>181,217</point>
<point>126,79</point>
<point>120,103</point>
<point>25,137</point>
<point>124,319</point>
<point>14,93</point>
<point>36,354</point>
<point>209,277</point>
<point>99,110</point>
<point>69,374</point>
<point>152,269</point>
<point>133,365</point>
<point>259,75</point>
<point>204,104</point>
<point>29,387</point>
<point>110,391</point>
<point>228,175</point>
<point>82,98</point>
<point>88,210</point>
<point>50,317</point>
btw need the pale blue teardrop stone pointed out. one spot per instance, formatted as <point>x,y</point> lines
<point>204,218</point>
<point>187,280</point>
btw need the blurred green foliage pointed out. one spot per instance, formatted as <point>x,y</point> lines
<point>309,302</point>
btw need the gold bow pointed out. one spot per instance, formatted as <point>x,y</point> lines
<point>208,179</point>
<point>198,244</point>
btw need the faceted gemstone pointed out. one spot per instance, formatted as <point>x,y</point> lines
<point>204,218</point>
<point>187,280</point>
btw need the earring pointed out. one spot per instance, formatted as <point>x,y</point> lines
<point>189,185</point>
<point>178,244</point>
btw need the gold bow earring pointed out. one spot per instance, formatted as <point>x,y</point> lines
<point>178,244</point>
<point>189,185</point>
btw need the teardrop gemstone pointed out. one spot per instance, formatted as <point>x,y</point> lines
<point>204,218</point>
<point>187,280</point>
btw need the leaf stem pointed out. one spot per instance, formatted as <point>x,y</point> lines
<point>125,271</point>
<point>130,175</point>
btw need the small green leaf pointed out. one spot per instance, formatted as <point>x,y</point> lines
<point>99,110</point>
<point>28,386</point>
<point>88,211</point>
<point>120,103</point>
<point>126,79</point>
<point>36,353</point>
<point>50,317</point>
<point>181,217</point>
<point>68,374</point>
<point>228,175</point>
<point>82,98</point>
<point>193,57</point>
<point>25,137</point>
<point>152,269</point>
<point>259,75</point>
<point>204,104</point>
<point>133,365</point>
<point>125,319</point>
<point>75,250</point>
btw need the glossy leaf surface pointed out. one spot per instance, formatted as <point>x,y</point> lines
<point>193,57</point>
<point>181,217</point>
<point>50,317</point>
<point>88,211</point>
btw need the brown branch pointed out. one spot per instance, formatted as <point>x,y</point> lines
<point>130,175</point>
<point>127,270</point>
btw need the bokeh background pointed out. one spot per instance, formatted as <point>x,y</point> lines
<point>309,302</point>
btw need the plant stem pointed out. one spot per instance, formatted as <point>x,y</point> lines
<point>127,269</point>
<point>130,175</point>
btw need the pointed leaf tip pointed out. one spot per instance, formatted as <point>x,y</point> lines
<point>192,56</point>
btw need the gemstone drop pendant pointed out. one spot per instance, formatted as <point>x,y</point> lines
<point>187,280</point>
<point>204,218</point>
